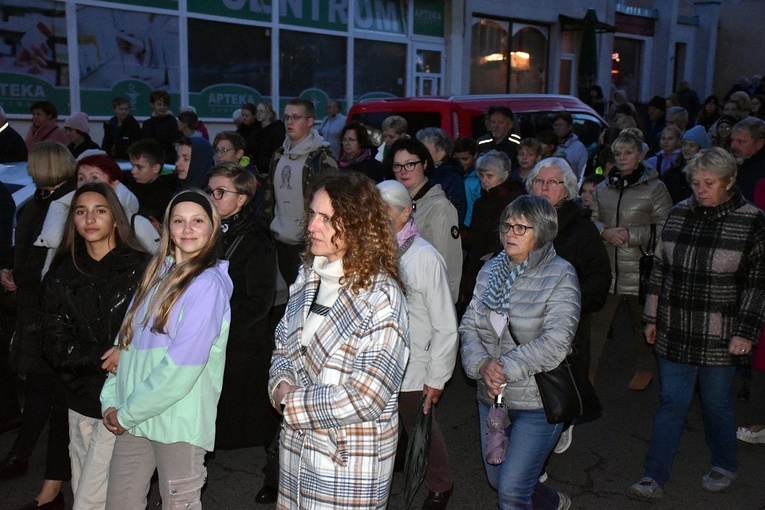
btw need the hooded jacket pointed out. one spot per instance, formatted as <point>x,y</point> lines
<point>317,160</point>
<point>635,206</point>
<point>543,317</point>
<point>201,161</point>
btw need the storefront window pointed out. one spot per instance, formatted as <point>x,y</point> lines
<point>310,60</point>
<point>625,66</point>
<point>528,60</point>
<point>372,56</point>
<point>127,53</point>
<point>233,71</point>
<point>488,57</point>
<point>502,64</point>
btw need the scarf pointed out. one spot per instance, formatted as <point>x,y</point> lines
<point>497,295</point>
<point>407,236</point>
<point>346,160</point>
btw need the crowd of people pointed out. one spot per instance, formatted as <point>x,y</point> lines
<point>148,331</point>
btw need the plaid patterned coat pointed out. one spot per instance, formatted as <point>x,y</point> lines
<point>708,281</point>
<point>338,440</point>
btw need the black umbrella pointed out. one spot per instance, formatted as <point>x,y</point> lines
<point>496,439</point>
<point>417,452</point>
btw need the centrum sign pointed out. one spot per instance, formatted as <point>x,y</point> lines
<point>376,15</point>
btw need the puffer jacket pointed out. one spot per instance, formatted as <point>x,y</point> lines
<point>544,315</point>
<point>84,303</point>
<point>635,206</point>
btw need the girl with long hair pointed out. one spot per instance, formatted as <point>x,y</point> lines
<point>165,391</point>
<point>94,274</point>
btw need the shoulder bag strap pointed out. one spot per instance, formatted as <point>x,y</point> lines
<point>233,247</point>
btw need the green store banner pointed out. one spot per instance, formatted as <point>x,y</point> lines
<point>429,17</point>
<point>221,100</point>
<point>99,102</point>
<point>18,92</point>
<point>375,15</point>
<point>157,4</point>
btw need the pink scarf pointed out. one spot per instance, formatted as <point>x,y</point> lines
<point>407,236</point>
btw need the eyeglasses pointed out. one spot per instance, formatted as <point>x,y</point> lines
<point>409,166</point>
<point>222,150</point>
<point>293,118</point>
<point>518,229</point>
<point>549,182</point>
<point>218,193</point>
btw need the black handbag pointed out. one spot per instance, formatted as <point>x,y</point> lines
<point>566,391</point>
<point>646,265</point>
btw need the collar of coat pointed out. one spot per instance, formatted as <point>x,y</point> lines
<point>714,213</point>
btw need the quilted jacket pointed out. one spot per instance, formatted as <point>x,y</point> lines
<point>544,315</point>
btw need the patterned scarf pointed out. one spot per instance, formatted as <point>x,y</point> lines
<point>407,236</point>
<point>497,295</point>
<point>346,160</point>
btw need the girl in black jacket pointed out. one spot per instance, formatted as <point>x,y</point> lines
<point>94,274</point>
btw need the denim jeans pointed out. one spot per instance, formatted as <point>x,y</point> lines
<point>678,382</point>
<point>531,439</point>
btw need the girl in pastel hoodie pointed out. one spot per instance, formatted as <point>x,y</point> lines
<point>162,400</point>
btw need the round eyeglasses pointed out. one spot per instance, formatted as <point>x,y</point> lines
<point>518,229</point>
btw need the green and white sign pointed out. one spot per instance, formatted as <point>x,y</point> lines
<point>429,17</point>
<point>221,100</point>
<point>18,92</point>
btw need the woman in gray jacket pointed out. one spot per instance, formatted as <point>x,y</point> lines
<point>521,321</point>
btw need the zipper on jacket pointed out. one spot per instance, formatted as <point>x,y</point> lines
<point>616,248</point>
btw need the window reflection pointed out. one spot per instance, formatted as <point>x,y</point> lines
<point>370,57</point>
<point>312,61</point>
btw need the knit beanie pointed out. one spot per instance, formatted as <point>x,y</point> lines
<point>78,121</point>
<point>699,135</point>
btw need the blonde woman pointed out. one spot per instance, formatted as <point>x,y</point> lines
<point>161,401</point>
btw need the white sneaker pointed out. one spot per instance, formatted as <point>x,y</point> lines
<point>543,477</point>
<point>565,440</point>
<point>565,501</point>
<point>647,488</point>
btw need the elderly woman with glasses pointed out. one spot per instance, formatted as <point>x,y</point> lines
<point>498,189</point>
<point>435,216</point>
<point>521,321</point>
<point>577,240</point>
<point>703,314</point>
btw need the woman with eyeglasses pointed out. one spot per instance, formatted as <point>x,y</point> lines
<point>245,416</point>
<point>498,189</point>
<point>626,207</point>
<point>521,321</point>
<point>357,152</point>
<point>578,242</point>
<point>434,215</point>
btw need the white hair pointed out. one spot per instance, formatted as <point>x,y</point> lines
<point>395,194</point>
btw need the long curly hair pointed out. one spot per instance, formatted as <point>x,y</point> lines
<point>169,285</point>
<point>360,219</point>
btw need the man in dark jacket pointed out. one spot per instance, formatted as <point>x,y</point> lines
<point>500,136</point>
<point>748,146</point>
<point>12,146</point>
<point>121,131</point>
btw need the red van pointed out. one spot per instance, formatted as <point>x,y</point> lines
<point>465,115</point>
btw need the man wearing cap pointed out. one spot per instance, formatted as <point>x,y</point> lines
<point>77,127</point>
<point>500,136</point>
<point>656,123</point>
<point>12,147</point>
<point>748,146</point>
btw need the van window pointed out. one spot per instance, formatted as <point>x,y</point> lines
<point>527,125</point>
<point>415,120</point>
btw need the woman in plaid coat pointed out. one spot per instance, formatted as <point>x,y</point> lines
<point>703,314</point>
<point>341,351</point>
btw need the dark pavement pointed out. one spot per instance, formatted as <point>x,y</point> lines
<point>605,458</point>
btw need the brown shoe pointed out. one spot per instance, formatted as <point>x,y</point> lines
<point>640,380</point>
